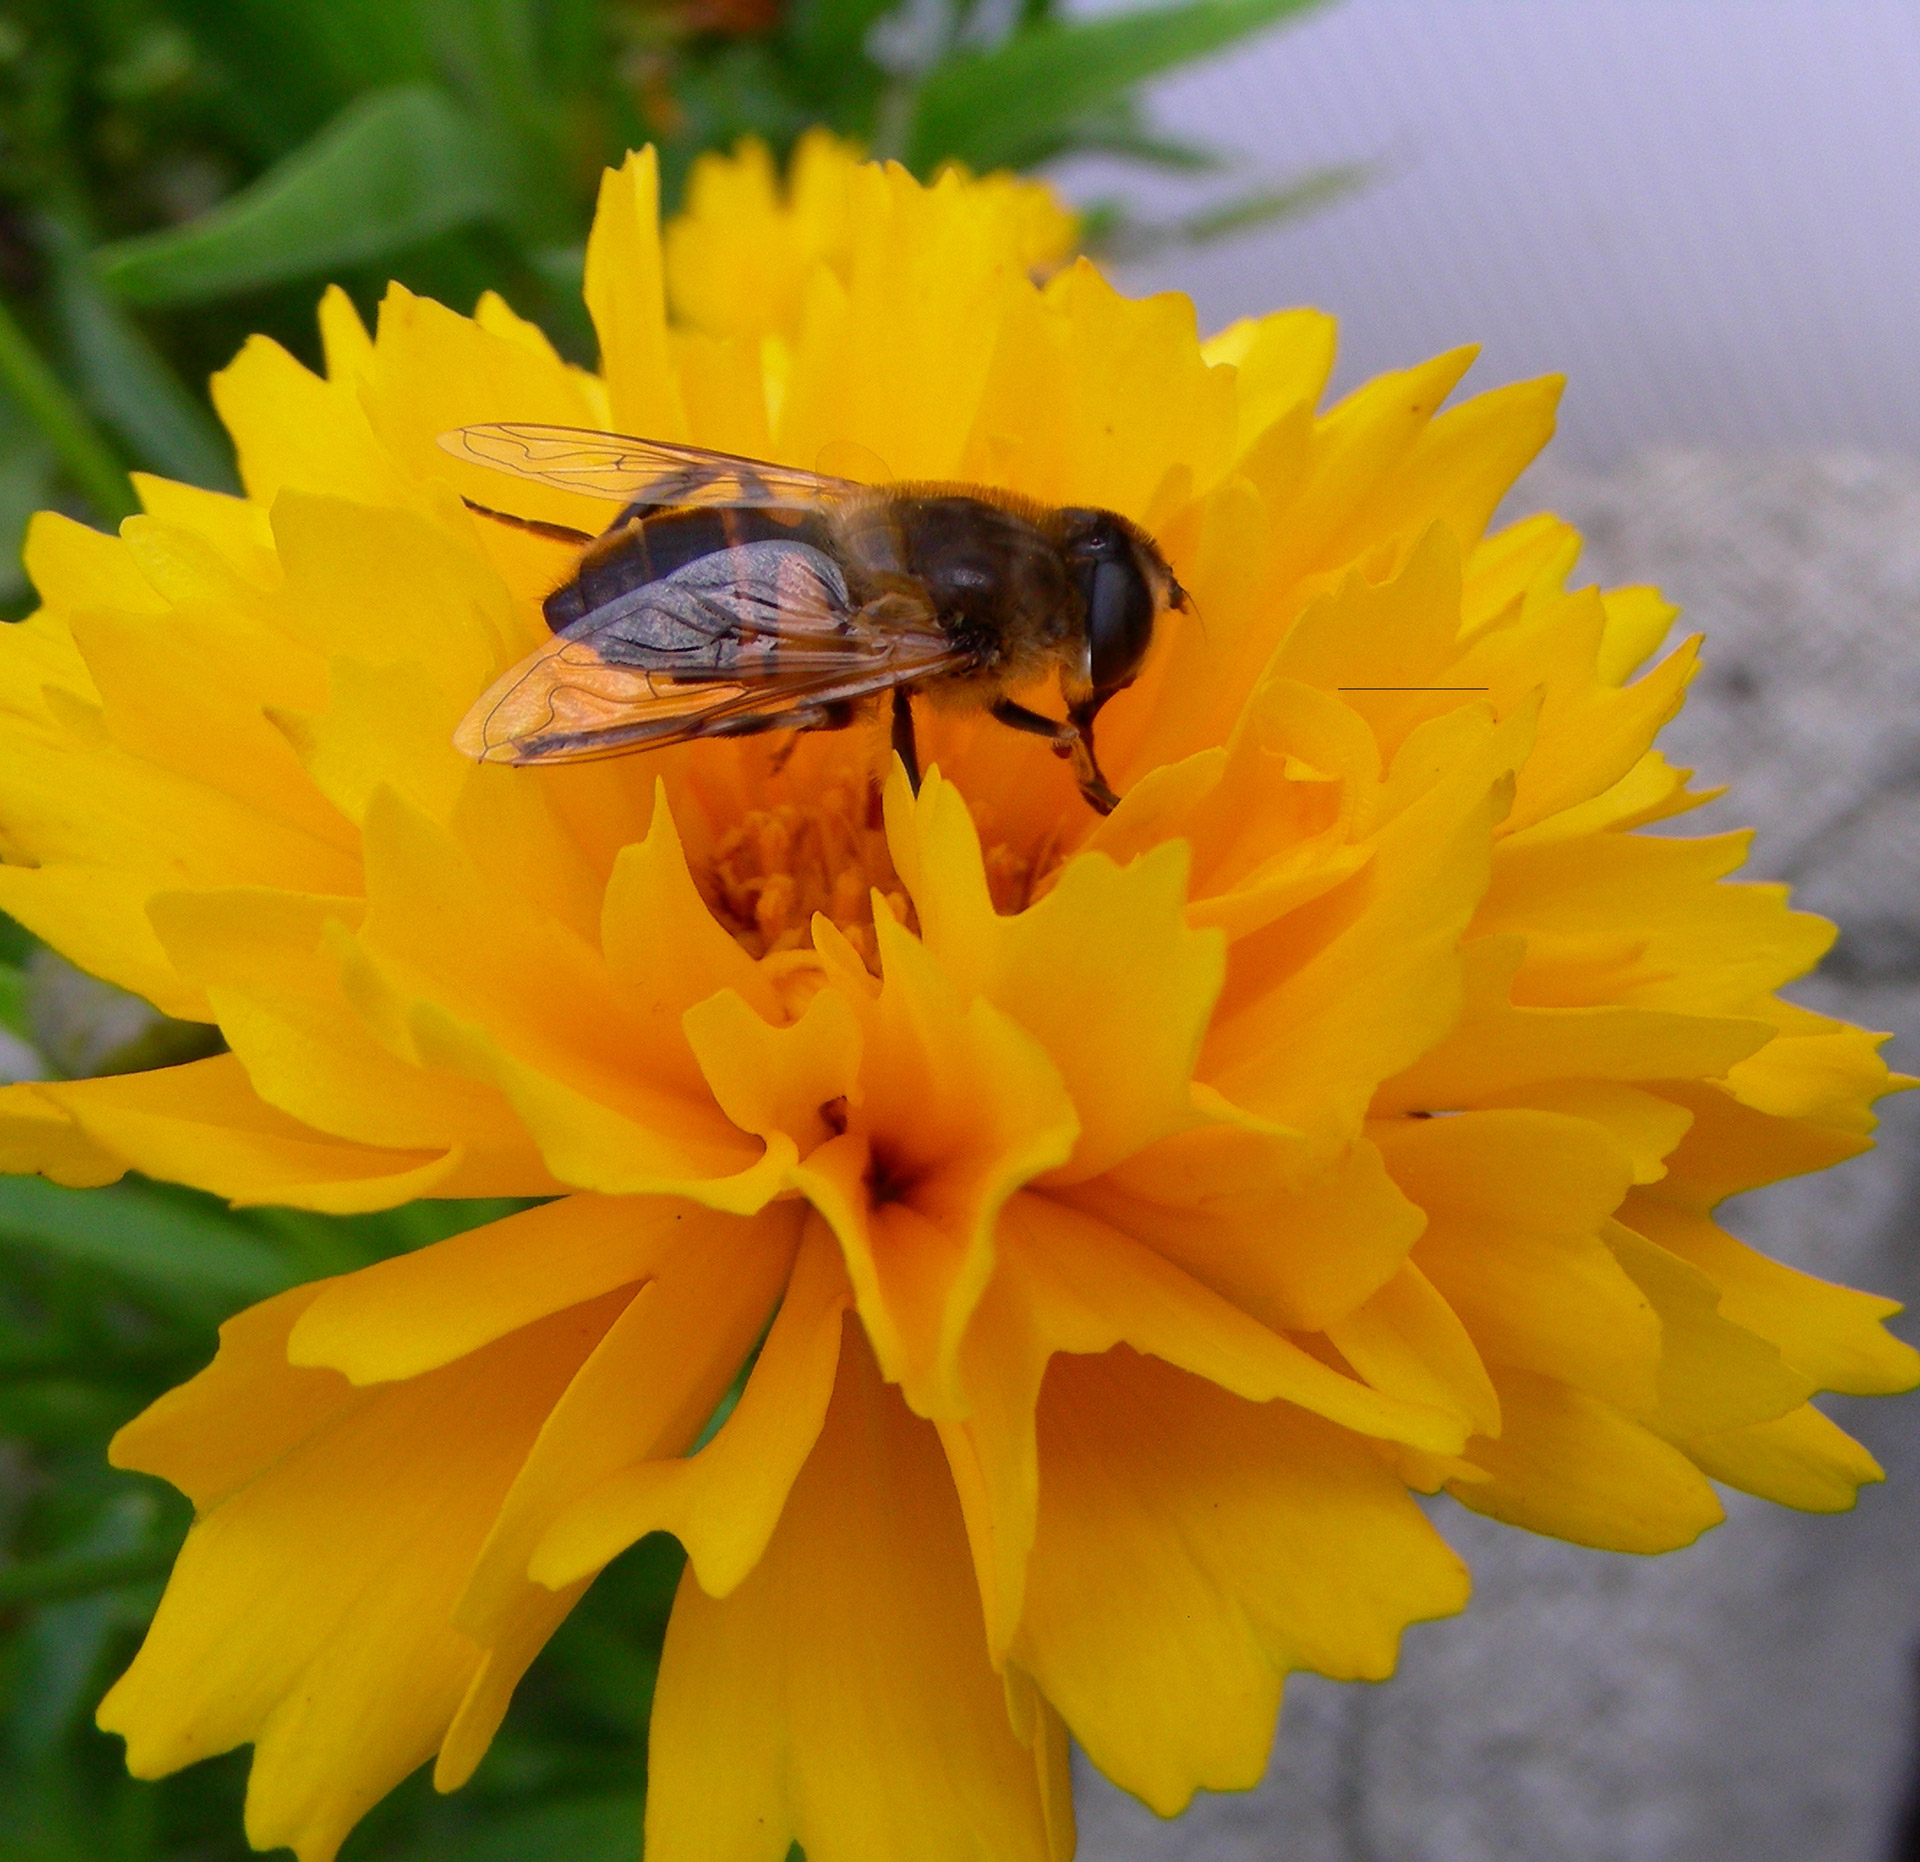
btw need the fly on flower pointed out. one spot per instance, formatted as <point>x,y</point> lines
<point>1068,1191</point>
<point>731,596</point>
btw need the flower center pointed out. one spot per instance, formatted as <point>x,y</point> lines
<point>827,852</point>
<point>789,860</point>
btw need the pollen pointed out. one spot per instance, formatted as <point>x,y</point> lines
<point>786,862</point>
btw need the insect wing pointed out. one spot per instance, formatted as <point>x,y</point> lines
<point>759,637</point>
<point>634,471</point>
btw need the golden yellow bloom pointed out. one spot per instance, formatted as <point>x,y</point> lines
<point>744,257</point>
<point>1132,1210</point>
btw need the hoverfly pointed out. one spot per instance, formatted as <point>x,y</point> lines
<point>732,596</point>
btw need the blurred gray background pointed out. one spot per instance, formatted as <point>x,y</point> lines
<point>1704,212</point>
<point>1701,211</point>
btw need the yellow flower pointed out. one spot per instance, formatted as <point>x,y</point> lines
<point>742,259</point>
<point>1129,1211</point>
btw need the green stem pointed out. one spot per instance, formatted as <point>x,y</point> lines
<point>80,1574</point>
<point>48,402</point>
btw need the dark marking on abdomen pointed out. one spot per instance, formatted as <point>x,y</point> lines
<point>647,544</point>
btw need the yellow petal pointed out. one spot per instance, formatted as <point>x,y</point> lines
<point>841,1696</point>
<point>1294,1246</point>
<point>1500,1049</point>
<point>1801,1459</point>
<point>385,587</point>
<point>83,800</point>
<point>76,567</point>
<point>626,296</point>
<point>1089,1287</point>
<point>310,1611</point>
<point>1192,1549</point>
<point>1326,1003</point>
<point>264,959</point>
<point>644,1394</point>
<point>1371,641</point>
<point>1832,1334</point>
<point>434,370</point>
<point>96,916</point>
<point>204,1124</point>
<point>1829,1076</point>
<point>521,1001</point>
<point>1573,1467</point>
<point>1515,1203</point>
<point>1463,463</point>
<point>1638,619</point>
<point>290,428</point>
<point>343,337</point>
<point>213,1434</point>
<point>1714,1375</point>
<point>1700,946</point>
<point>666,951</point>
<point>1356,447</point>
<point>1284,824</point>
<point>1591,733</point>
<point>993,1454</point>
<point>771,1080</point>
<point>415,1312</point>
<point>723,1503</point>
<point>1651,790</point>
<point>682,1149</point>
<point>537,1614</point>
<point>1283,361</point>
<point>1529,559</point>
<point>37,1135</point>
<point>236,529</point>
<point>958,1108</point>
<point>1409,1343</point>
<point>1103,971</point>
<point>1643,1127</point>
<point>1067,1283</point>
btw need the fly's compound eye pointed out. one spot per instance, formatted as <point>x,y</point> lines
<point>1119,621</point>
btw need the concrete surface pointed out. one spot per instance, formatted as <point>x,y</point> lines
<point>1750,1699</point>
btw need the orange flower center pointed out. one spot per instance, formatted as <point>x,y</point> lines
<point>788,860</point>
<point>820,846</point>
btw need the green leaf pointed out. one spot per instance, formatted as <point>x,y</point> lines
<point>13,1002</point>
<point>1119,129</point>
<point>291,65</point>
<point>996,109</point>
<point>40,396</point>
<point>828,36</point>
<point>164,1246</point>
<point>28,469</point>
<point>394,168</point>
<point>1121,238</point>
<point>126,382</point>
<point>1317,187</point>
<point>81,1574</point>
<point>491,49</point>
<point>583,1829</point>
<point>17,943</point>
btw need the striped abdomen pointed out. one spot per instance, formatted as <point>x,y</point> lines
<point>647,543</point>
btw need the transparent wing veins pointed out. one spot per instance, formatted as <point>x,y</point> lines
<point>757,637</point>
<point>628,470</point>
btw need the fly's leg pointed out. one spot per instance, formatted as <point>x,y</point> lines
<point>554,533</point>
<point>1072,739</point>
<point>904,746</point>
<point>834,717</point>
<point>1093,786</point>
<point>1063,737</point>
